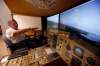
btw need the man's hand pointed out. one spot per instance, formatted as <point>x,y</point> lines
<point>33,29</point>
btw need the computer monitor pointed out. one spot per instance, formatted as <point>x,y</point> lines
<point>53,21</point>
<point>84,20</point>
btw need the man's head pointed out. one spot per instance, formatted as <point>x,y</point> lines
<point>13,24</point>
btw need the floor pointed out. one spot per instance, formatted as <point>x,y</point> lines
<point>3,50</point>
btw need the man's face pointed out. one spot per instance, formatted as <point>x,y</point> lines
<point>14,25</point>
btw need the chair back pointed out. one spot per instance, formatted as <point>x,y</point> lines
<point>7,41</point>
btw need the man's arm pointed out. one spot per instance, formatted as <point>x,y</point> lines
<point>20,31</point>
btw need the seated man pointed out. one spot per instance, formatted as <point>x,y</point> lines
<point>16,36</point>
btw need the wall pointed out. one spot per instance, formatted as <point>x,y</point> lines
<point>28,21</point>
<point>4,15</point>
<point>23,21</point>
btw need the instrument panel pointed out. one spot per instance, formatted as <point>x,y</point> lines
<point>76,54</point>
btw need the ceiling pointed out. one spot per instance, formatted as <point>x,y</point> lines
<point>41,7</point>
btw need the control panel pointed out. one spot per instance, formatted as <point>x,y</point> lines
<point>76,53</point>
